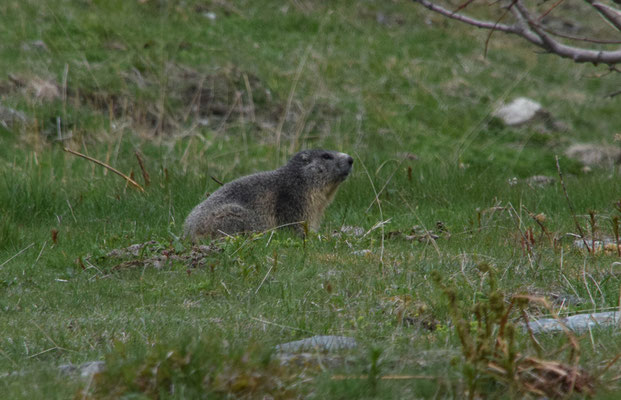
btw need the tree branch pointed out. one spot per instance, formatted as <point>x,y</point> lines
<point>528,28</point>
<point>612,15</point>
<point>463,18</point>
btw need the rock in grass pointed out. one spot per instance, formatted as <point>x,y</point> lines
<point>85,370</point>
<point>576,323</point>
<point>594,155</point>
<point>9,116</point>
<point>539,181</point>
<point>519,111</point>
<point>321,343</point>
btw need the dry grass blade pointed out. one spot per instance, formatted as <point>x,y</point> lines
<point>116,171</point>
<point>558,3</point>
<point>145,174</point>
<point>491,32</point>
<point>17,254</point>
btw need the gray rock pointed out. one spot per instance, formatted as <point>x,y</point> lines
<point>605,244</point>
<point>9,116</point>
<point>594,155</point>
<point>321,343</point>
<point>352,230</point>
<point>576,323</point>
<point>35,45</point>
<point>539,180</point>
<point>86,369</point>
<point>519,111</point>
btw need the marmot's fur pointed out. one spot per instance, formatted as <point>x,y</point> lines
<point>292,195</point>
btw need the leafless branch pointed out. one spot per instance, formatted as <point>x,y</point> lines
<point>103,164</point>
<point>612,15</point>
<point>528,27</point>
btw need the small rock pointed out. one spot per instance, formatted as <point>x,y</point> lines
<point>594,155</point>
<point>91,368</point>
<point>539,180</point>
<point>519,111</point>
<point>86,370</point>
<point>607,245</point>
<point>352,230</point>
<point>577,323</point>
<point>321,343</point>
<point>34,45</point>
<point>363,252</point>
<point>210,15</point>
<point>9,116</point>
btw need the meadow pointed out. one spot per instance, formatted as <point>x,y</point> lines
<point>434,252</point>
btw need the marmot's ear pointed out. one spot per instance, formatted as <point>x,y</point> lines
<point>305,156</point>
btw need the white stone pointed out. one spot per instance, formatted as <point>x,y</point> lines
<point>519,111</point>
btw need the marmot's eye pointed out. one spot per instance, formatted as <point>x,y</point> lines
<point>327,156</point>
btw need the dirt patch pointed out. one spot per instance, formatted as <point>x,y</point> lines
<point>184,96</point>
<point>160,103</point>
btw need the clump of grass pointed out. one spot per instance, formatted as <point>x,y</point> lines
<point>495,359</point>
<point>195,368</point>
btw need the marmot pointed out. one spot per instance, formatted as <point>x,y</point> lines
<point>291,195</point>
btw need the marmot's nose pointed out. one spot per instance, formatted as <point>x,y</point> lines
<point>350,160</point>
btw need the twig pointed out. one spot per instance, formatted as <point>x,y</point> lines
<point>145,174</point>
<point>579,38</point>
<point>218,181</point>
<point>558,3</point>
<point>491,32</point>
<point>18,253</point>
<point>116,171</point>
<point>571,207</point>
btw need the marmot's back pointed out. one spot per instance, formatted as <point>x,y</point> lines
<point>297,192</point>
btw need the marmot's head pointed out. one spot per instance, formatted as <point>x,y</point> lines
<point>322,167</point>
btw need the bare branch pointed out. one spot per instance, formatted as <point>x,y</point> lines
<point>558,3</point>
<point>580,38</point>
<point>612,15</point>
<point>529,28</point>
<point>471,21</point>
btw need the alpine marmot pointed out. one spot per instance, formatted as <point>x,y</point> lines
<point>292,195</point>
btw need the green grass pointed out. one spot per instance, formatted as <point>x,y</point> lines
<point>374,90</point>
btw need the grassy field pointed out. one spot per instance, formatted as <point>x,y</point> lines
<point>212,88</point>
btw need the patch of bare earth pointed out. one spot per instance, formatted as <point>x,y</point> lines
<point>179,99</point>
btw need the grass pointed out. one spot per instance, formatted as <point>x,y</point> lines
<point>162,78</point>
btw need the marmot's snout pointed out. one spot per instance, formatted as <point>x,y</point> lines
<point>345,164</point>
